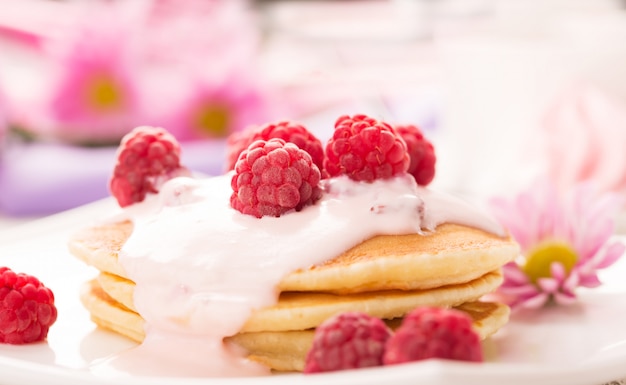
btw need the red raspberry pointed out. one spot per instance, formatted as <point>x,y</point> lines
<point>272,177</point>
<point>26,308</point>
<point>286,130</point>
<point>236,143</point>
<point>365,149</point>
<point>421,152</point>
<point>146,158</point>
<point>348,340</point>
<point>434,333</point>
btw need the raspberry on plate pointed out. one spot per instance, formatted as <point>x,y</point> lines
<point>146,158</point>
<point>286,130</point>
<point>421,152</point>
<point>365,149</point>
<point>27,308</point>
<point>348,340</point>
<point>273,177</point>
<point>431,332</point>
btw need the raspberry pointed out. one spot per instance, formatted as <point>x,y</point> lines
<point>272,177</point>
<point>146,157</point>
<point>348,340</point>
<point>365,149</point>
<point>285,130</point>
<point>434,333</point>
<point>421,152</point>
<point>236,143</point>
<point>26,308</point>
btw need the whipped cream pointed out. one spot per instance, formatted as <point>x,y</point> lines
<point>201,267</point>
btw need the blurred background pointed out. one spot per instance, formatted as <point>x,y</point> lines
<point>507,90</point>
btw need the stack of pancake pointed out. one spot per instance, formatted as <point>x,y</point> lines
<point>386,276</point>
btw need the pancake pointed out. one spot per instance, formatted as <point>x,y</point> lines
<point>385,276</point>
<point>303,310</point>
<point>279,350</point>
<point>451,254</point>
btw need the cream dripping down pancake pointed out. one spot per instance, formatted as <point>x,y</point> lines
<point>188,266</point>
<point>280,350</point>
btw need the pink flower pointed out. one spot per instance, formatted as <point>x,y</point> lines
<point>213,87</point>
<point>3,122</point>
<point>187,66</point>
<point>214,110</point>
<point>95,94</point>
<point>564,241</point>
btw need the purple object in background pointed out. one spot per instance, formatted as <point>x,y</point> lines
<point>41,179</point>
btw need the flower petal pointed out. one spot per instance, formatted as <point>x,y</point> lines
<point>523,290</point>
<point>589,280</point>
<point>558,271</point>
<point>527,209</point>
<point>603,207</point>
<point>594,238</point>
<point>564,298</point>
<point>612,253</point>
<point>548,285</point>
<point>513,274</point>
<point>551,211</point>
<point>509,215</point>
<point>535,302</point>
<point>571,282</point>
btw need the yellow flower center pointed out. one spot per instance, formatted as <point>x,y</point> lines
<point>103,93</point>
<point>213,120</point>
<point>540,258</point>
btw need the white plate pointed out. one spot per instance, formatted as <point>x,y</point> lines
<point>584,344</point>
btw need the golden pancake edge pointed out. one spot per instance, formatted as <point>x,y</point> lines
<point>279,350</point>
<point>449,255</point>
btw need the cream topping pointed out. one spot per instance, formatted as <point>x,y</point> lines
<point>201,267</point>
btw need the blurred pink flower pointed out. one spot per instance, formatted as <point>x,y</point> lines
<point>3,121</point>
<point>95,95</point>
<point>189,66</point>
<point>564,240</point>
<point>214,110</point>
